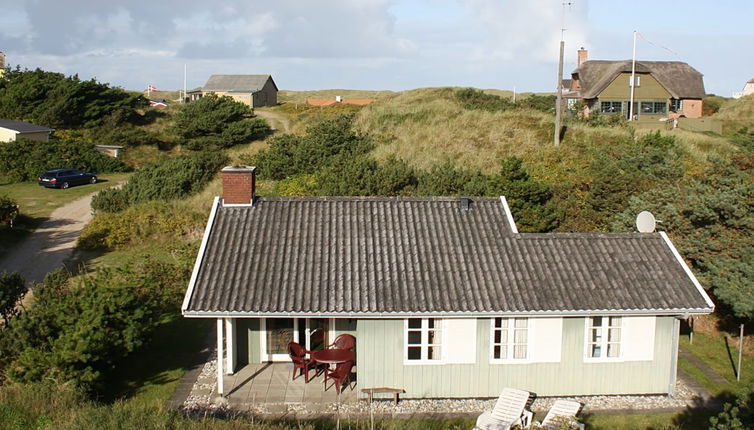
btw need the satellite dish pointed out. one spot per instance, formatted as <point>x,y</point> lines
<point>645,222</point>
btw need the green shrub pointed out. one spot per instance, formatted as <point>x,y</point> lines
<point>12,291</point>
<point>55,100</point>
<point>736,416</point>
<point>217,122</point>
<point>144,222</point>
<point>173,178</point>
<point>24,160</point>
<point>627,168</point>
<point>474,99</point>
<point>363,176</point>
<point>538,102</point>
<point>330,139</point>
<point>8,209</point>
<point>446,179</point>
<point>78,329</point>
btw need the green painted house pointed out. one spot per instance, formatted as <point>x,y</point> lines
<point>663,89</point>
<point>444,296</point>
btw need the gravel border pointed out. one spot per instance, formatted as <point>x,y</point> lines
<point>203,401</point>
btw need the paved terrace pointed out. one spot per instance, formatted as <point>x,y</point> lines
<point>271,383</point>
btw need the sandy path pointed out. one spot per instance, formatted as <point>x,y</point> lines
<point>50,245</point>
<point>275,119</point>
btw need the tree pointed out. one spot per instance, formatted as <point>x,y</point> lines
<point>709,219</point>
<point>12,291</point>
<point>77,330</point>
<point>217,122</point>
<point>325,142</point>
<point>529,199</point>
<point>627,168</point>
<point>55,100</point>
<point>736,416</point>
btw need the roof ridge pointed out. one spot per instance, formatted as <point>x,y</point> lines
<point>375,198</point>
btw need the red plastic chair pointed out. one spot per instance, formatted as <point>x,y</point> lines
<point>300,362</point>
<point>344,341</point>
<point>340,376</point>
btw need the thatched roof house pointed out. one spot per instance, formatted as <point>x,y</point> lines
<point>662,87</point>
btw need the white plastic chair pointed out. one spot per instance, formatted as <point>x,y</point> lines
<point>507,411</point>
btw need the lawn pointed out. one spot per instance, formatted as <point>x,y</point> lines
<point>37,203</point>
<point>720,353</point>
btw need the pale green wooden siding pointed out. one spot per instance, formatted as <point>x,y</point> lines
<point>648,89</point>
<point>380,352</point>
<point>251,333</point>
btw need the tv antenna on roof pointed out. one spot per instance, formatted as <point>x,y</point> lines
<point>646,222</point>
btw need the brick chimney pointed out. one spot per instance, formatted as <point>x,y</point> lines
<point>239,183</point>
<point>583,56</point>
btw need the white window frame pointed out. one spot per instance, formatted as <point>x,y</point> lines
<point>638,80</point>
<point>510,345</point>
<point>604,339</point>
<point>424,343</point>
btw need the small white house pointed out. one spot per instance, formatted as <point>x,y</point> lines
<point>13,130</point>
<point>444,296</point>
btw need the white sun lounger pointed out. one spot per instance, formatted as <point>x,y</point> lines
<point>507,411</point>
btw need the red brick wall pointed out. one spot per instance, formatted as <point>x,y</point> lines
<point>238,186</point>
<point>692,108</point>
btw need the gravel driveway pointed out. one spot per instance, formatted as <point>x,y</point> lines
<point>51,244</point>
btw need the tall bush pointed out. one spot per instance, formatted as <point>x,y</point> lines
<point>217,122</point>
<point>77,330</point>
<point>174,178</point>
<point>324,142</point>
<point>12,290</point>
<point>24,159</point>
<point>55,100</point>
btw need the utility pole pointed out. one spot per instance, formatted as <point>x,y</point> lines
<point>559,96</point>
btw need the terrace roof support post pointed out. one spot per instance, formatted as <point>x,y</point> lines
<point>220,353</point>
<point>230,336</point>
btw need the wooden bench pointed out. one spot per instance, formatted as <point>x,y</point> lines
<point>370,392</point>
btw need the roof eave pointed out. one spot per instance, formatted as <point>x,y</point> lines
<point>448,314</point>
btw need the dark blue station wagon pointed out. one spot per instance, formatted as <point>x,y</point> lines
<point>64,178</point>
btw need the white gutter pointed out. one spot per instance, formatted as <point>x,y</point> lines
<point>508,214</point>
<point>200,255</point>
<point>687,270</point>
<point>372,315</point>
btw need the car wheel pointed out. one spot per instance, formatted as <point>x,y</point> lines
<point>93,180</point>
<point>64,185</point>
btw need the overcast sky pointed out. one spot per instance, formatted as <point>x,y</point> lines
<point>371,44</point>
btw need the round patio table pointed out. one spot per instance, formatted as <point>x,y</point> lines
<point>332,356</point>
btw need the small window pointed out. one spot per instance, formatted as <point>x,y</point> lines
<point>676,105</point>
<point>424,339</point>
<point>604,337</point>
<point>637,80</point>
<point>611,107</point>
<point>510,338</point>
<point>654,107</point>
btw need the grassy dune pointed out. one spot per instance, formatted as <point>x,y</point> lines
<point>288,96</point>
<point>737,113</point>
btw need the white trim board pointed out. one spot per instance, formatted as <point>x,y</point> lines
<point>687,270</point>
<point>509,215</point>
<point>200,255</point>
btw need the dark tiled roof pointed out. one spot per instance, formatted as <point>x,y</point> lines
<point>348,256</point>
<point>681,80</point>
<point>23,127</point>
<point>237,83</point>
